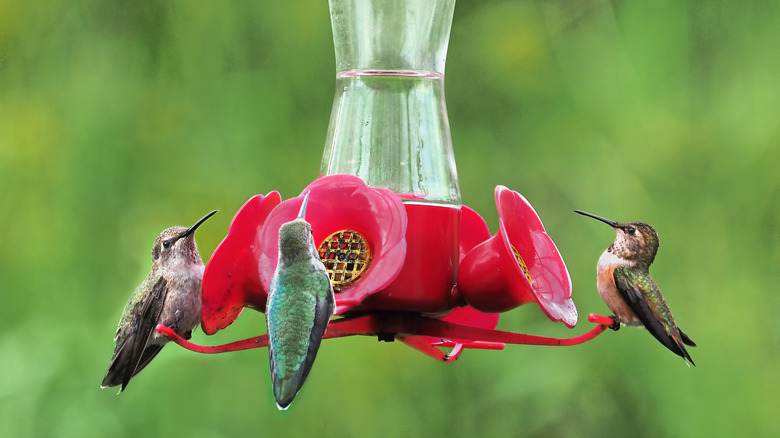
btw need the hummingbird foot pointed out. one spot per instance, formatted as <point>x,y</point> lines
<point>616,323</point>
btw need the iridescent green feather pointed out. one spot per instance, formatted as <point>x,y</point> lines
<point>638,289</point>
<point>298,313</point>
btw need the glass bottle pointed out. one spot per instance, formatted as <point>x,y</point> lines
<point>389,127</point>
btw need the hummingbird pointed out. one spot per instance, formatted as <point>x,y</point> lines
<point>625,285</point>
<point>170,295</point>
<point>300,304</point>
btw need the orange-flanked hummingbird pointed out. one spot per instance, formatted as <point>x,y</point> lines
<point>625,285</point>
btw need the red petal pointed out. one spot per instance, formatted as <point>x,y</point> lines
<point>231,280</point>
<point>551,283</point>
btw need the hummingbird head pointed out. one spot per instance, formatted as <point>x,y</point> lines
<point>177,244</point>
<point>296,238</point>
<point>636,242</point>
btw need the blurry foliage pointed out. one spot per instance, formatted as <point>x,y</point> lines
<point>118,119</point>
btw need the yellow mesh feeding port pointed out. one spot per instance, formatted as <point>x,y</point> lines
<point>346,256</point>
<point>522,264</point>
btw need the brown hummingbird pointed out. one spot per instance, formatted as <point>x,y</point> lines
<point>170,295</point>
<point>625,285</point>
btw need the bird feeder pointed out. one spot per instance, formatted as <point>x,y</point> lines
<point>407,260</point>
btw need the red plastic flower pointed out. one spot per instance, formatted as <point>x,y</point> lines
<point>239,272</point>
<point>519,265</point>
<point>344,204</point>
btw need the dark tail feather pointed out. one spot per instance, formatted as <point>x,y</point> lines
<point>122,369</point>
<point>117,370</point>
<point>686,339</point>
<point>679,343</point>
<point>149,353</point>
<point>675,344</point>
<point>684,354</point>
<point>285,391</point>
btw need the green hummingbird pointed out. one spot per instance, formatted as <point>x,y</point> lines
<point>625,285</point>
<point>300,304</point>
<point>170,295</point>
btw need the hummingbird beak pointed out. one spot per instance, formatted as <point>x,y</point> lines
<point>192,229</point>
<point>612,224</point>
<point>302,212</point>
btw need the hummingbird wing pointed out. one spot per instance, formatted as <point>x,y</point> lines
<point>132,354</point>
<point>629,285</point>
<point>286,352</point>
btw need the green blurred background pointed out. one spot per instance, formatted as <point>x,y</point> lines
<point>118,119</point>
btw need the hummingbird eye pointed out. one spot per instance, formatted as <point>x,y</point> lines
<point>631,231</point>
<point>167,243</point>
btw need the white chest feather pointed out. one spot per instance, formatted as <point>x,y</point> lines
<point>609,293</point>
<point>608,259</point>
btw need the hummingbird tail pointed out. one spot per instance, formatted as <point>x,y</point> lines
<point>285,392</point>
<point>687,356</point>
<point>285,389</point>
<point>119,372</point>
<point>679,343</point>
<point>686,339</point>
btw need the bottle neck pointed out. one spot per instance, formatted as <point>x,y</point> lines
<point>391,34</point>
<point>389,122</point>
